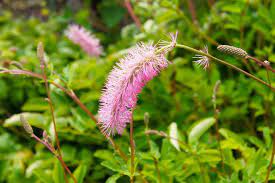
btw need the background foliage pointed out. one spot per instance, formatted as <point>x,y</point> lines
<point>181,94</point>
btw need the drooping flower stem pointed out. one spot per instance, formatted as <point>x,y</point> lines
<point>224,63</point>
<point>130,10</point>
<point>261,63</point>
<point>132,144</point>
<point>40,54</point>
<point>52,150</point>
<point>73,96</point>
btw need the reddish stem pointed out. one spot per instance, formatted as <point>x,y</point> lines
<point>132,144</point>
<point>71,94</point>
<point>43,68</point>
<point>261,63</point>
<point>132,14</point>
<point>52,150</point>
<point>192,9</point>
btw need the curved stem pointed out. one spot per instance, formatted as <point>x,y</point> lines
<point>73,96</point>
<point>130,10</point>
<point>261,63</point>
<point>132,144</point>
<point>52,150</point>
<point>49,100</point>
<point>224,63</point>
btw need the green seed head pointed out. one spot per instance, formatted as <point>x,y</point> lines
<point>231,50</point>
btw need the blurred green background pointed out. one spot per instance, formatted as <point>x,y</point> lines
<point>181,94</point>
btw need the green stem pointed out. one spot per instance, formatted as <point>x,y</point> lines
<point>224,63</point>
<point>132,144</point>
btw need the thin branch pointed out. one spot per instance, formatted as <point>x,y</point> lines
<point>157,169</point>
<point>73,96</point>
<point>132,144</point>
<point>163,134</point>
<point>261,63</point>
<point>22,72</point>
<point>192,9</point>
<point>40,54</point>
<point>224,63</point>
<point>130,10</point>
<point>52,150</point>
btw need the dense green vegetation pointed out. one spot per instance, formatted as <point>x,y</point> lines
<point>181,94</point>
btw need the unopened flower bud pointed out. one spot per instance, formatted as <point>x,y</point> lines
<point>40,53</point>
<point>45,135</point>
<point>231,50</point>
<point>26,125</point>
<point>146,118</point>
<point>267,62</point>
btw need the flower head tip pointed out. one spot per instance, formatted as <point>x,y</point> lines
<point>82,37</point>
<point>125,82</point>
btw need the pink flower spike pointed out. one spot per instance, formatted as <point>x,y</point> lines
<point>125,82</point>
<point>82,37</point>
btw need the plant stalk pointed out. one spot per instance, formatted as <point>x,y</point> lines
<point>52,150</point>
<point>73,96</point>
<point>55,130</point>
<point>224,63</point>
<point>132,144</point>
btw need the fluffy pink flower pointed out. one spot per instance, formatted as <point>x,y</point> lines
<point>82,37</point>
<point>125,82</point>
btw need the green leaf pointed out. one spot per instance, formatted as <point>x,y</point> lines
<point>154,149</point>
<point>58,173</point>
<point>113,178</point>
<point>43,176</point>
<point>104,154</point>
<point>68,152</point>
<point>34,119</point>
<point>199,129</point>
<point>32,167</point>
<point>35,104</point>
<point>112,14</point>
<point>38,168</point>
<point>80,173</point>
<point>267,136</point>
<point>111,165</point>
